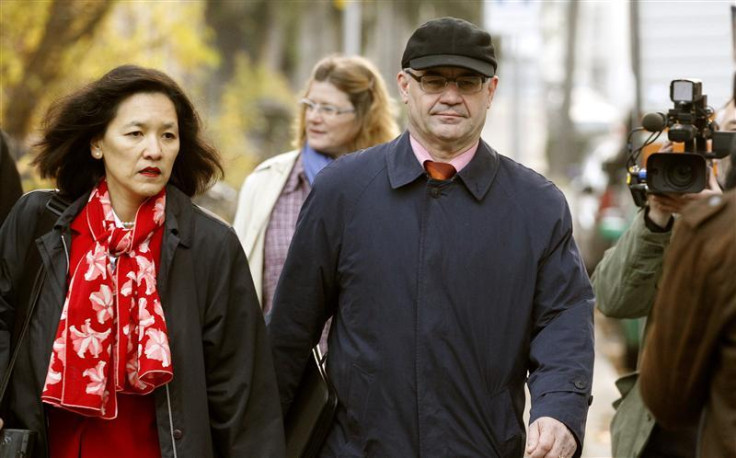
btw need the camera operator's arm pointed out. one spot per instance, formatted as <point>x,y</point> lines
<point>625,280</point>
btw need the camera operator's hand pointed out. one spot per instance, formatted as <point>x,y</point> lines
<point>663,206</point>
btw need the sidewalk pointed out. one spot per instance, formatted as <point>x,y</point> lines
<point>597,435</point>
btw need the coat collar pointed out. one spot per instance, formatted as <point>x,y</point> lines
<point>477,176</point>
<point>179,214</point>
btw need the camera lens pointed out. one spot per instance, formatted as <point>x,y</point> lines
<point>675,172</point>
<point>680,176</point>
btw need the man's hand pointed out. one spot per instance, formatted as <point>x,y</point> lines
<point>549,438</point>
<point>662,206</point>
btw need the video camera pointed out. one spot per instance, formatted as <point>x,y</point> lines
<point>689,122</point>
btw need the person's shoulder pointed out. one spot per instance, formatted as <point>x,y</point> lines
<point>368,157</point>
<point>354,168</point>
<point>717,207</point>
<point>527,182</point>
<point>210,218</point>
<point>36,199</point>
<point>28,209</point>
<point>211,234</point>
<point>278,162</point>
<point>204,222</point>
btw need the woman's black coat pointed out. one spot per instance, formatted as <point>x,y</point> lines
<point>223,400</point>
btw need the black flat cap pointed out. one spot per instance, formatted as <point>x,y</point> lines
<point>450,42</point>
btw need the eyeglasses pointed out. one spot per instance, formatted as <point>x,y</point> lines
<point>434,84</point>
<point>326,110</point>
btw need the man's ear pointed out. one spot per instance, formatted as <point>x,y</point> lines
<point>492,85</point>
<point>403,83</point>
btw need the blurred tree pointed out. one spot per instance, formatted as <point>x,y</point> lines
<point>250,101</point>
<point>262,30</point>
<point>319,33</point>
<point>257,106</point>
<point>150,34</point>
<point>388,25</point>
<point>235,26</point>
<point>420,11</point>
<point>564,148</point>
<point>50,48</point>
<point>34,45</point>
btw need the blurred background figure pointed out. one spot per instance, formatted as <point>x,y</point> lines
<point>10,186</point>
<point>147,328</point>
<point>345,108</point>
<point>688,370</point>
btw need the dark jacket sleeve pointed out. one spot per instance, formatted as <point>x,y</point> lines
<point>561,353</point>
<point>245,418</point>
<point>307,291</point>
<point>16,235</point>
<point>695,303</point>
<point>10,186</point>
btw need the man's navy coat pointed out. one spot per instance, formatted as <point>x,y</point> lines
<point>445,296</point>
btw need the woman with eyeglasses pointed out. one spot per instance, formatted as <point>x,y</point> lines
<point>345,108</point>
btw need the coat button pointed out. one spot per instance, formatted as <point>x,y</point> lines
<point>580,384</point>
<point>178,434</point>
<point>435,192</point>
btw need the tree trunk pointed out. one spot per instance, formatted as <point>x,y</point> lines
<point>319,36</point>
<point>564,149</point>
<point>69,21</point>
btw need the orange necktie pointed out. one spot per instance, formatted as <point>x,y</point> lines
<point>439,170</point>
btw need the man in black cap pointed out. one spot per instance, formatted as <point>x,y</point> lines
<point>452,278</point>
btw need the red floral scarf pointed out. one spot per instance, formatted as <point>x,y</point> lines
<point>112,334</point>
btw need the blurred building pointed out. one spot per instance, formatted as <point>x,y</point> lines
<point>684,40</point>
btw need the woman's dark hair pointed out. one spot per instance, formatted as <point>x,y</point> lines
<point>72,122</point>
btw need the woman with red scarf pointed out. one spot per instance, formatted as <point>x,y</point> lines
<point>146,339</point>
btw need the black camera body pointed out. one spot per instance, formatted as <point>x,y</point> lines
<point>689,122</point>
<point>676,172</point>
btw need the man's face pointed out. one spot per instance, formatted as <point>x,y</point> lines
<point>451,120</point>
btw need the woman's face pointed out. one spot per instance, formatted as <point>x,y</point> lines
<point>139,148</point>
<point>330,134</point>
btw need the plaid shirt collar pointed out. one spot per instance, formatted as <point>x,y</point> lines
<point>297,177</point>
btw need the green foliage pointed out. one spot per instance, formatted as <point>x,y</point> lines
<point>253,102</point>
<point>171,36</point>
<point>22,24</point>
